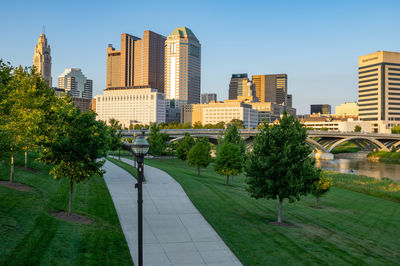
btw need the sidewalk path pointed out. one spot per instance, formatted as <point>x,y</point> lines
<point>174,232</point>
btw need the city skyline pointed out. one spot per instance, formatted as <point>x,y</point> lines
<point>319,52</point>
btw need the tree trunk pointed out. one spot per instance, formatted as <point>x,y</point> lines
<point>12,169</point>
<point>71,188</point>
<point>198,170</point>
<point>227,180</point>
<point>280,211</point>
<point>316,202</point>
<point>26,159</point>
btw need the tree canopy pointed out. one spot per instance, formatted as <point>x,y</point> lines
<point>199,155</point>
<point>279,167</point>
<point>63,147</point>
<point>229,160</point>
<point>184,146</point>
<point>157,140</point>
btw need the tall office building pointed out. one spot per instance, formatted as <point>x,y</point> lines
<point>75,83</point>
<point>139,62</point>
<point>182,67</point>
<point>42,59</point>
<point>208,97</point>
<point>323,109</point>
<point>240,85</point>
<point>289,100</point>
<point>379,87</point>
<point>271,88</point>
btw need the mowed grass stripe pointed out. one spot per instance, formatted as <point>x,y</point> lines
<point>351,227</point>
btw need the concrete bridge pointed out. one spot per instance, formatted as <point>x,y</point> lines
<point>323,141</point>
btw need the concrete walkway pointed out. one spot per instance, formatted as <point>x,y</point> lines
<point>174,232</point>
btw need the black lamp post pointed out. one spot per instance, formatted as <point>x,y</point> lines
<point>140,148</point>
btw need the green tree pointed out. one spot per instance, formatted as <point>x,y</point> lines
<point>220,125</point>
<point>229,160</point>
<point>25,99</point>
<point>239,123</point>
<point>63,147</point>
<point>232,135</point>
<point>279,167</point>
<point>199,156</point>
<point>187,125</point>
<point>357,128</point>
<point>184,146</point>
<point>396,129</point>
<point>115,135</point>
<point>130,127</point>
<point>157,140</point>
<point>197,125</point>
<point>324,129</point>
<point>320,187</point>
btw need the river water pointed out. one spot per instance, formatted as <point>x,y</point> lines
<point>362,167</point>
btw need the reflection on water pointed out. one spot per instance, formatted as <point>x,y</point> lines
<point>362,167</point>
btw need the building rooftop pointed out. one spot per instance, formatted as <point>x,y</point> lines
<point>184,32</point>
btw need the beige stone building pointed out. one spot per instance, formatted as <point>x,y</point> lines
<point>139,62</point>
<point>182,67</point>
<point>42,59</point>
<point>131,105</point>
<point>215,112</point>
<point>347,109</point>
<point>379,88</point>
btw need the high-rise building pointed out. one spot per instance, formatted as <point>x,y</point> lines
<point>379,87</point>
<point>347,109</point>
<point>75,83</point>
<point>134,105</point>
<point>289,100</point>
<point>182,67</point>
<point>323,109</point>
<point>271,88</point>
<point>139,62</point>
<point>208,97</point>
<point>42,59</point>
<point>240,85</point>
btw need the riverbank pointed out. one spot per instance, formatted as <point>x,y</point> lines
<point>384,156</point>
<point>340,232</point>
<point>360,155</point>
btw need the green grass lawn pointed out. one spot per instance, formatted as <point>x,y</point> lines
<point>384,156</point>
<point>121,153</point>
<point>383,188</point>
<point>127,167</point>
<point>29,235</point>
<point>346,147</point>
<point>350,228</point>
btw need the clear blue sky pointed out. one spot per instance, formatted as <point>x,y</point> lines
<point>317,43</point>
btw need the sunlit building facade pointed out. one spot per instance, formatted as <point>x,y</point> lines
<point>42,59</point>
<point>182,68</point>
<point>75,83</point>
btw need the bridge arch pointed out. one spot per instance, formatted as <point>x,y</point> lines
<point>315,145</point>
<point>373,141</point>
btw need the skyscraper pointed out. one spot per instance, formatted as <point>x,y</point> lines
<point>208,97</point>
<point>75,83</point>
<point>42,59</point>
<point>271,88</point>
<point>149,61</point>
<point>379,87</point>
<point>240,85</point>
<point>182,67</point>
<point>139,62</point>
